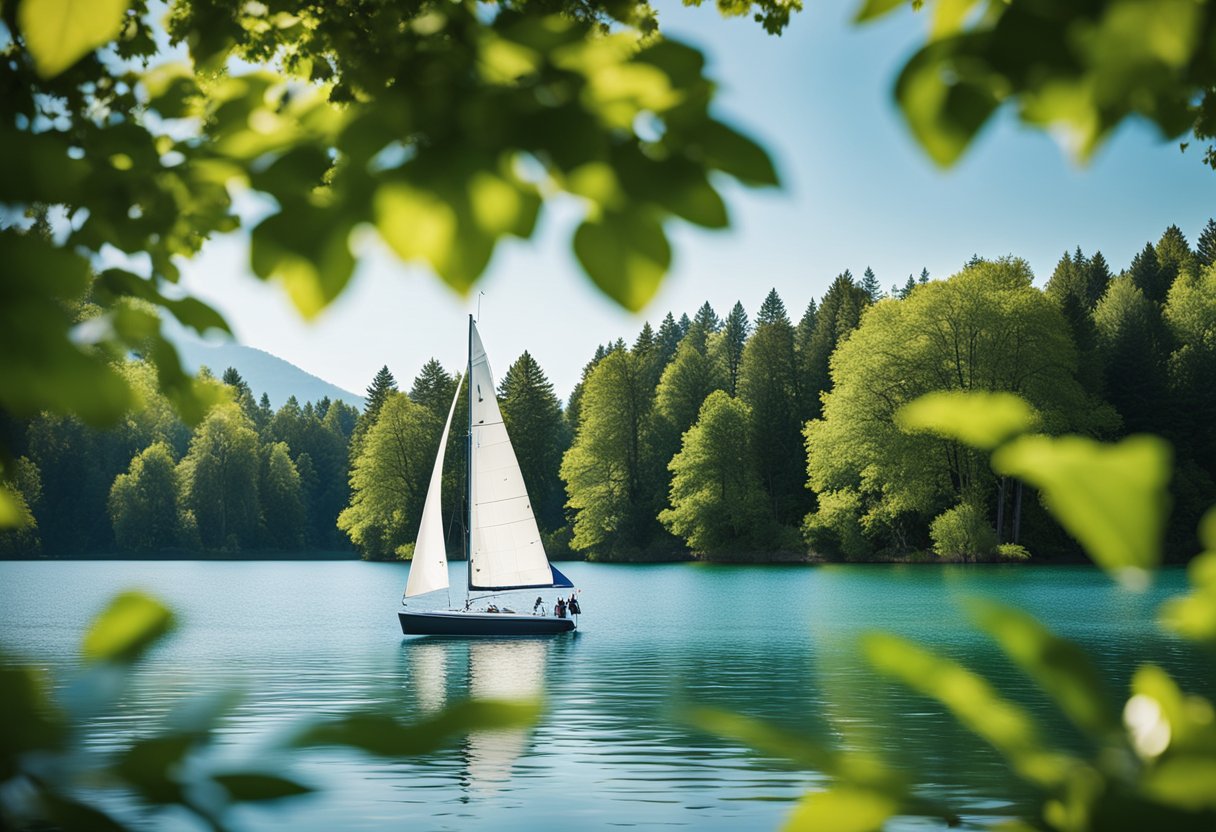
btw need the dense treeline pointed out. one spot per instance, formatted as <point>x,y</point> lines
<point>725,436</point>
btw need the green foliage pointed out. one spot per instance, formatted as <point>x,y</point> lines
<point>388,478</point>
<point>717,504</point>
<point>219,477</point>
<point>963,533</point>
<point>834,528</point>
<point>281,499</point>
<point>144,503</point>
<point>605,469</point>
<point>768,383</point>
<point>1080,71</point>
<point>1013,552</point>
<point>985,330</point>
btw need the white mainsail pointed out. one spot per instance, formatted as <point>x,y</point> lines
<point>505,551</point>
<point>429,567</point>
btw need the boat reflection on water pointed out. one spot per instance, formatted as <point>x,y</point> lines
<point>506,669</point>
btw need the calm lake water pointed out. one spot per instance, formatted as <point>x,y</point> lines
<point>320,638</point>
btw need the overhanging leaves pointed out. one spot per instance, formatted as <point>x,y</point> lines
<point>1111,498</point>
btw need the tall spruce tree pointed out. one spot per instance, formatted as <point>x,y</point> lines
<point>768,385</point>
<point>1146,275</point>
<point>869,282</point>
<point>1205,248</point>
<point>1097,279</point>
<point>433,388</point>
<point>382,386</point>
<point>1129,342</point>
<point>1174,255</point>
<point>668,338</point>
<point>734,338</point>
<point>838,314</point>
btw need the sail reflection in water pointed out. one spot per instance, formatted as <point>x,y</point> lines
<point>507,669</point>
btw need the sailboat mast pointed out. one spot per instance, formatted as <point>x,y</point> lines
<point>468,471</point>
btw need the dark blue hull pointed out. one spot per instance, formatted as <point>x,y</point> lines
<point>481,624</point>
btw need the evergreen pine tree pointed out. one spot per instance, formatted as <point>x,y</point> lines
<point>907,287</point>
<point>734,338</point>
<point>1145,273</point>
<point>668,338</point>
<point>773,308</point>
<point>685,323</point>
<point>1173,256</point>
<point>1205,249</point>
<point>233,379</point>
<point>433,388</point>
<point>1097,278</point>
<point>869,282</point>
<point>924,275</point>
<point>382,386</point>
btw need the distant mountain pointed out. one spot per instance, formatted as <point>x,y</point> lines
<point>263,372</point>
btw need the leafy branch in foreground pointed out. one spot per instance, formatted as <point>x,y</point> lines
<point>1080,69</point>
<point>446,128</point>
<point>50,775</point>
<point>1151,768</point>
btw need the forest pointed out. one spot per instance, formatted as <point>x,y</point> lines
<point>727,437</point>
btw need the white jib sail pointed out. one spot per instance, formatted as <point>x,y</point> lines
<point>505,547</point>
<point>429,567</point>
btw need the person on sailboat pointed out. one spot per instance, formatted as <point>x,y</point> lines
<point>539,607</point>
<point>560,610</point>
<point>572,604</point>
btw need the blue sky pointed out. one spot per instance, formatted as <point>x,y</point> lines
<point>857,192</point>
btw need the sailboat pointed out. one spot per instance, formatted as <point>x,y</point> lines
<point>502,540</point>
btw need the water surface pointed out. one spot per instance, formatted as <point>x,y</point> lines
<point>320,638</point>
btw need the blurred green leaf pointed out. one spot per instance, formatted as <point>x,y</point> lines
<point>874,9</point>
<point>307,249</point>
<point>31,722</point>
<point>68,813</point>
<point>253,786</point>
<point>841,809</point>
<point>131,624</point>
<point>979,419</point>
<point>10,509</point>
<point>151,766</point>
<point>171,89</point>
<point>1004,725</point>
<point>381,734</point>
<point>58,33</point>
<point>1060,667</point>
<point>626,254</point>
<point>944,104</point>
<point>1112,498</point>
<point>1194,615</point>
<point>728,150</point>
<point>767,739</point>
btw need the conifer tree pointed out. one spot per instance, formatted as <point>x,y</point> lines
<point>668,339</point>
<point>924,276</point>
<point>704,324</point>
<point>869,282</point>
<point>768,385</point>
<point>1174,255</point>
<point>684,324</point>
<point>1097,278</point>
<point>907,288</point>
<point>838,314</point>
<point>233,379</point>
<point>1145,273</point>
<point>734,338</point>
<point>1129,340</point>
<point>433,388</point>
<point>1205,248</point>
<point>382,386</point>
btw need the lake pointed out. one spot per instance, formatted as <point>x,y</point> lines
<point>310,639</point>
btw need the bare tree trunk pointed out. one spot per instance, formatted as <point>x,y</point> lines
<point>1017,513</point>
<point>1000,512</point>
